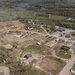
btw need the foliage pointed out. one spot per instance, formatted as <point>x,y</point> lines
<point>74,67</point>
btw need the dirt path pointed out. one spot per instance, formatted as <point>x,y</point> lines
<point>67,68</point>
<point>4,70</point>
<point>44,30</point>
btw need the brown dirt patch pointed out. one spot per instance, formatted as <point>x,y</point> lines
<point>48,64</point>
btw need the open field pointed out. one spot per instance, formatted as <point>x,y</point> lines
<point>56,17</point>
<point>63,54</point>
<point>74,67</point>
<point>1,73</point>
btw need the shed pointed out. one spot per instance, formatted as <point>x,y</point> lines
<point>73,52</point>
<point>39,43</point>
<point>68,36</point>
<point>49,73</point>
<point>27,56</point>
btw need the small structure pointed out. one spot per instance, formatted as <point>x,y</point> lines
<point>57,40</point>
<point>73,52</point>
<point>39,43</point>
<point>65,48</point>
<point>72,71</point>
<point>70,19</point>
<point>57,27</point>
<point>30,28</point>
<point>68,36</point>
<point>27,56</point>
<point>49,73</point>
<point>50,16</point>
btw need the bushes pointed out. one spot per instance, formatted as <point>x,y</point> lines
<point>66,25</point>
<point>4,54</point>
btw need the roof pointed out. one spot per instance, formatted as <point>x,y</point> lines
<point>65,48</point>
<point>28,55</point>
<point>39,43</point>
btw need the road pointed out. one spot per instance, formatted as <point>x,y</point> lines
<point>4,70</point>
<point>67,68</point>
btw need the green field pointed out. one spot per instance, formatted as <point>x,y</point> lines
<point>9,14</point>
<point>64,54</point>
<point>34,72</point>
<point>1,74</point>
<point>35,48</point>
<point>73,67</point>
<point>56,17</point>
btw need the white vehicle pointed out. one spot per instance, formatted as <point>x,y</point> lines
<point>49,73</point>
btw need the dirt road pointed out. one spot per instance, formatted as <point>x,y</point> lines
<point>4,70</point>
<point>67,68</point>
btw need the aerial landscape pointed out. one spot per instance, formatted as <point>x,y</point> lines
<point>37,37</point>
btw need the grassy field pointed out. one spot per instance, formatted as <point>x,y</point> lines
<point>34,72</point>
<point>35,48</point>
<point>56,17</point>
<point>64,54</point>
<point>9,14</point>
<point>74,67</point>
<point>1,74</point>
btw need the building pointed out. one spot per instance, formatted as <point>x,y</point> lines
<point>65,48</point>
<point>27,56</point>
<point>49,73</point>
<point>73,52</point>
<point>68,36</point>
<point>39,43</point>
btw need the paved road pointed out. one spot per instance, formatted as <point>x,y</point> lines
<point>67,68</point>
<point>4,70</point>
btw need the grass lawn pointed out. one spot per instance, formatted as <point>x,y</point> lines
<point>28,71</point>
<point>56,17</point>
<point>44,19</point>
<point>9,14</point>
<point>34,72</point>
<point>1,74</point>
<point>64,54</point>
<point>35,48</point>
<point>74,67</point>
<point>68,23</point>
